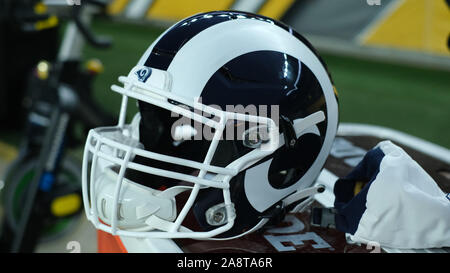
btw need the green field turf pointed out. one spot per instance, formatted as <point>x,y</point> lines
<point>413,100</point>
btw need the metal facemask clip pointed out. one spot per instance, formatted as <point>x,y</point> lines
<point>256,136</point>
<point>218,215</point>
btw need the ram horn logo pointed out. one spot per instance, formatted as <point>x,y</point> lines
<point>143,74</point>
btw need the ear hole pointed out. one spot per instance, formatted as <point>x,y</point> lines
<point>290,164</point>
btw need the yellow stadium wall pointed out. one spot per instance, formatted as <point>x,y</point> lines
<point>421,25</point>
<point>174,10</point>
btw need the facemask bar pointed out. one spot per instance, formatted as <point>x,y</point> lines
<point>124,164</point>
<point>160,98</point>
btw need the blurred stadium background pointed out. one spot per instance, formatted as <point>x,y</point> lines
<point>390,62</point>
<point>390,59</point>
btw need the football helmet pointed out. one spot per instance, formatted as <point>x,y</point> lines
<point>237,115</point>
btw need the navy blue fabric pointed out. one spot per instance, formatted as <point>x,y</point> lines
<point>166,48</point>
<point>350,207</point>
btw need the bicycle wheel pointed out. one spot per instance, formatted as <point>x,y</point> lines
<point>17,179</point>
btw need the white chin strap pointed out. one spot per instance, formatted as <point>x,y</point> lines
<point>142,208</point>
<point>137,204</point>
<point>308,194</point>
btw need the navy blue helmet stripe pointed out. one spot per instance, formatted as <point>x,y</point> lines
<point>166,48</point>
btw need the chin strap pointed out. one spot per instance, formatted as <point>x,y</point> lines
<point>307,193</point>
<point>154,222</point>
<point>260,224</point>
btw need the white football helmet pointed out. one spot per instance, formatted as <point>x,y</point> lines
<point>237,115</point>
